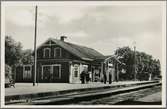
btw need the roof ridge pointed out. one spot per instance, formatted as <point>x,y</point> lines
<point>74,44</point>
<point>78,45</point>
<point>79,50</point>
<point>84,47</point>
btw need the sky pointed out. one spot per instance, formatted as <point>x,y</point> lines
<point>101,27</point>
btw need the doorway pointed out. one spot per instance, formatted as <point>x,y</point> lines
<point>27,74</point>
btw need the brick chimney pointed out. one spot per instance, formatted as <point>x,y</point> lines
<point>62,38</point>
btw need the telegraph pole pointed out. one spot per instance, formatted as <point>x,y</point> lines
<point>35,51</point>
<point>117,73</point>
<point>135,61</point>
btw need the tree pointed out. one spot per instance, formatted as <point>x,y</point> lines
<point>13,53</point>
<point>156,68</point>
<point>145,64</point>
<point>127,57</point>
<point>27,57</point>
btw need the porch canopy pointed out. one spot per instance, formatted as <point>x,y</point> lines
<point>108,59</point>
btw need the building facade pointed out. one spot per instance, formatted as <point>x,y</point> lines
<point>62,62</point>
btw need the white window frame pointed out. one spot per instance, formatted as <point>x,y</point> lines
<point>44,50</point>
<point>24,78</point>
<point>55,51</point>
<point>52,70</point>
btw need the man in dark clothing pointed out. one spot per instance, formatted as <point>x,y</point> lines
<point>110,78</point>
<point>105,77</point>
<point>82,77</point>
<point>87,77</point>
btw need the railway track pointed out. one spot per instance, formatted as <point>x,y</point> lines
<point>79,96</point>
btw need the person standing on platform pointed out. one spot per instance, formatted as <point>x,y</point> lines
<point>105,77</point>
<point>110,74</point>
<point>87,77</point>
<point>83,76</point>
<point>90,76</point>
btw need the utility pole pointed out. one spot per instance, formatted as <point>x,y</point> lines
<point>135,61</point>
<point>117,73</point>
<point>35,51</point>
<point>116,64</point>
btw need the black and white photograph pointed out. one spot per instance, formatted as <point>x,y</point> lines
<point>83,54</point>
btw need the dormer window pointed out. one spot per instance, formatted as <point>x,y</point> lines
<point>46,53</point>
<point>57,52</point>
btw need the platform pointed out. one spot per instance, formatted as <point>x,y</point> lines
<point>28,91</point>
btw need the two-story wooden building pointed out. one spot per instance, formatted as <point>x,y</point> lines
<point>61,61</point>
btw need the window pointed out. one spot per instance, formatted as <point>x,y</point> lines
<point>57,52</point>
<point>51,72</point>
<point>46,69</point>
<point>76,70</point>
<point>46,53</point>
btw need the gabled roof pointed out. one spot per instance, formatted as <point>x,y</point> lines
<point>82,52</point>
<point>106,58</point>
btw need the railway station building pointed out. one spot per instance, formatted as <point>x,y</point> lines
<point>59,61</point>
